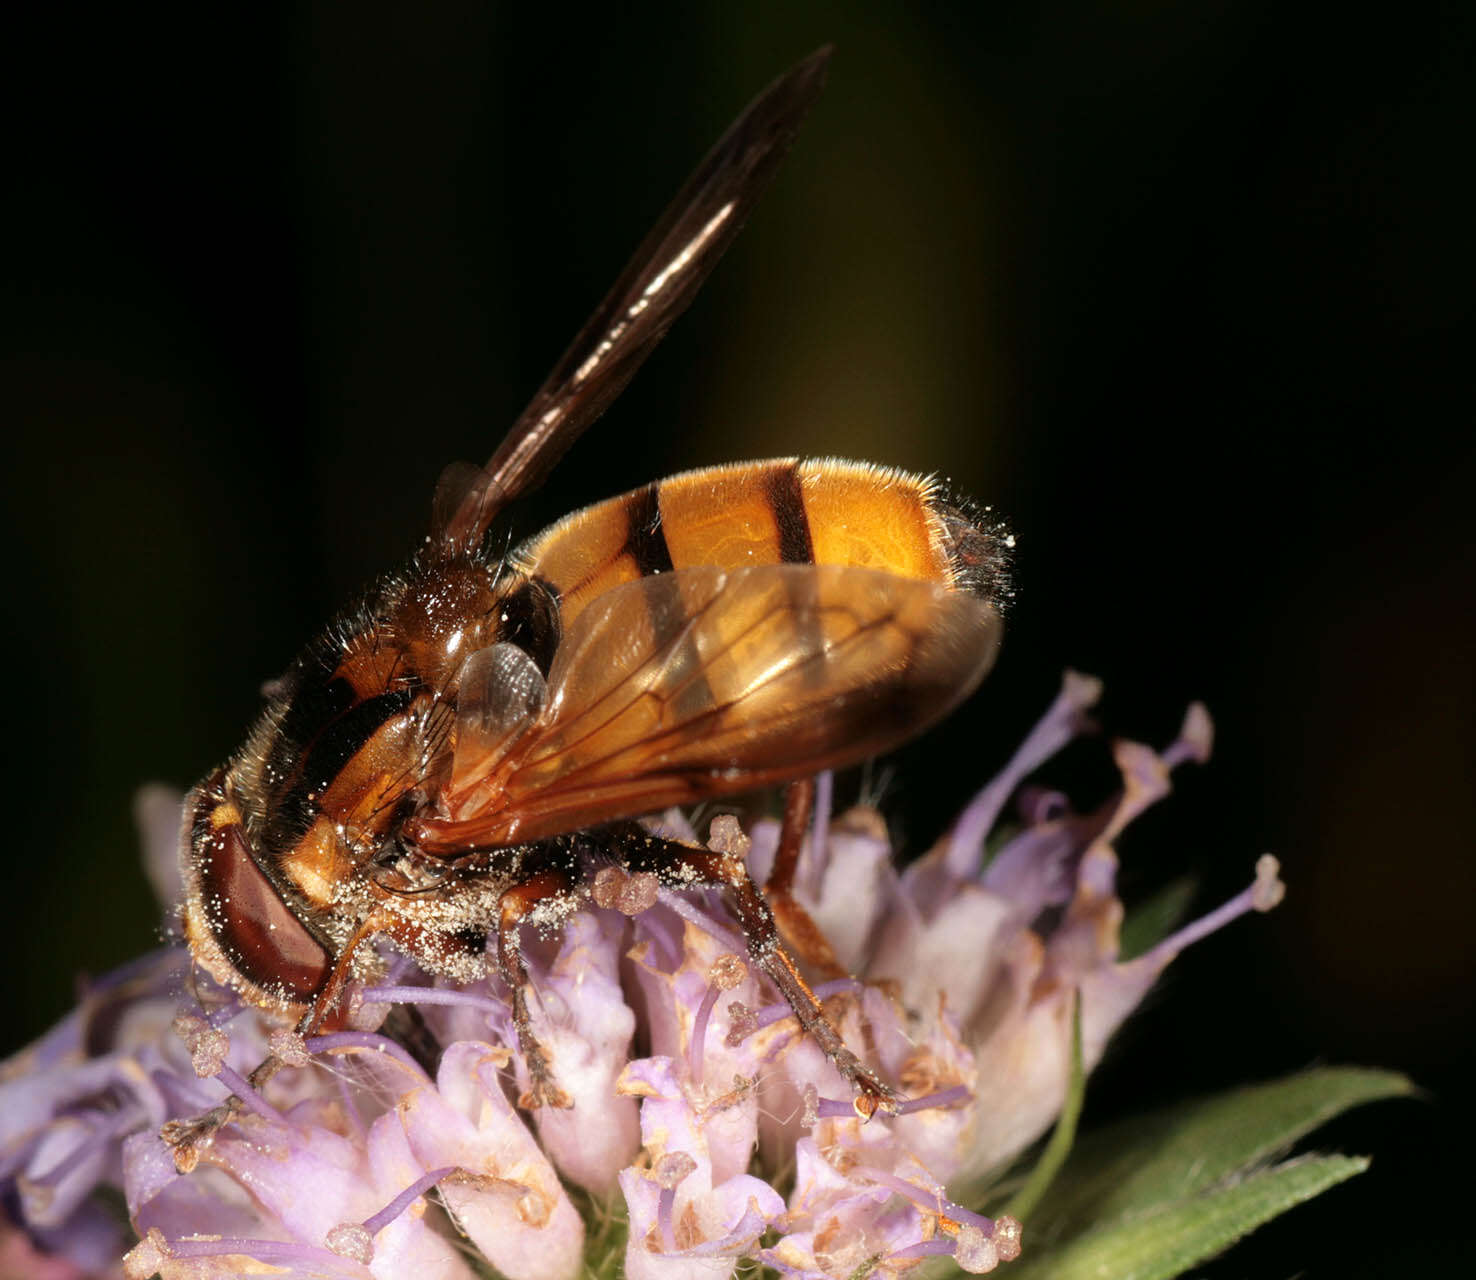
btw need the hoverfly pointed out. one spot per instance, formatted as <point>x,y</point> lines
<point>453,754</point>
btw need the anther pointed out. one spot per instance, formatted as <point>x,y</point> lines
<point>667,1173</point>
<point>1264,893</point>
<point>147,1257</point>
<point>821,1108</point>
<point>975,1252</point>
<point>1196,738</point>
<point>1007,1233</point>
<point>727,972</point>
<point>365,1014</point>
<point>207,1046</point>
<point>742,1023</point>
<point>629,893</point>
<point>1269,889</point>
<point>351,1241</point>
<point>725,835</point>
<point>289,1048</point>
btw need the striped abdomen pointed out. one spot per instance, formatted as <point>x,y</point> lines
<point>786,511</point>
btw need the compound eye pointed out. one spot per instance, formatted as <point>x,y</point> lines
<point>260,937</point>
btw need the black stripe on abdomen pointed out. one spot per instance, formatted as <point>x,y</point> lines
<point>645,539</point>
<point>530,620</point>
<point>787,502</point>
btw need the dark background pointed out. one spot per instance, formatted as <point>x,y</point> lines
<point>1177,287</point>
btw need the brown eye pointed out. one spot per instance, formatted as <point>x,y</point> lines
<point>262,939</point>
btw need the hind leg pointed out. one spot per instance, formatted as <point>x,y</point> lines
<point>795,923</point>
<point>683,866</point>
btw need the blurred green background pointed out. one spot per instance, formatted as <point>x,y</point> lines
<point>1179,288</point>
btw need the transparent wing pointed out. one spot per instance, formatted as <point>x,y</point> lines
<point>657,285</point>
<point>499,696</point>
<point>705,682</point>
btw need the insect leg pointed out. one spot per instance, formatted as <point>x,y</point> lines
<point>188,1138</point>
<point>681,866</point>
<point>512,908</point>
<point>799,930</point>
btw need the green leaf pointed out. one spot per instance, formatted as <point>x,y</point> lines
<point>1167,1242</point>
<point>1151,921</point>
<point>1167,1157</point>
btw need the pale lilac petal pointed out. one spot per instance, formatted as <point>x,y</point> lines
<point>588,1037</point>
<point>520,1216</point>
<point>644,1259</point>
<point>19,1258</point>
<point>158,813</point>
<point>957,951</point>
<point>407,1246</point>
<point>718,1216</point>
<point>1020,1079</point>
<point>837,1220</point>
<point>973,972</point>
<point>208,1202</point>
<point>858,883</point>
<point>69,1159</point>
<point>1036,869</point>
<point>307,1178</point>
<point>926,1054</point>
<point>724,1096</point>
<point>31,1102</point>
<point>1065,719</point>
<point>794,1064</point>
<point>714,1228</point>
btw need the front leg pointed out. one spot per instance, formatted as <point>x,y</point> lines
<point>188,1138</point>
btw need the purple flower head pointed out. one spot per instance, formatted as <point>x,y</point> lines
<point>701,1114</point>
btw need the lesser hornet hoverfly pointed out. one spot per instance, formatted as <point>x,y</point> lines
<point>454,753</point>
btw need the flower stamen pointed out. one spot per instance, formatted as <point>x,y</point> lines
<point>814,875</point>
<point>667,1173</point>
<point>1263,894</point>
<point>743,1021</point>
<point>960,1093</point>
<point>726,973</point>
<point>435,995</point>
<point>1064,719</point>
<point>251,1098</point>
<point>123,1122</point>
<point>257,1250</point>
<point>355,1240</point>
<point>208,1047</point>
<point>629,893</point>
<point>365,1040</point>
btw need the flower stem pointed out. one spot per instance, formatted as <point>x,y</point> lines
<point>1059,1147</point>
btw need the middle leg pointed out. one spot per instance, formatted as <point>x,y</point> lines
<point>512,908</point>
